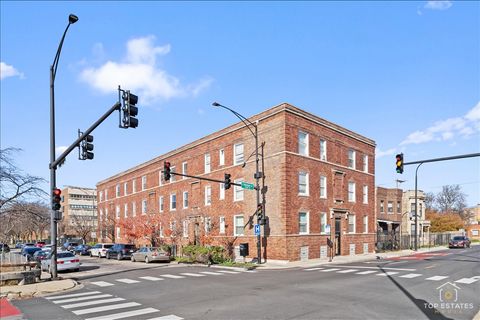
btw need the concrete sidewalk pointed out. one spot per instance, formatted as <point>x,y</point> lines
<point>36,289</point>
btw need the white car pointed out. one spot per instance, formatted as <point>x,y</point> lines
<point>100,250</point>
<point>65,261</point>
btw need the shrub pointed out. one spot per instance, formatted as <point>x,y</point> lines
<point>203,254</point>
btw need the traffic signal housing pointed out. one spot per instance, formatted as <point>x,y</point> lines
<point>260,214</point>
<point>130,111</point>
<point>87,148</point>
<point>166,171</point>
<point>56,199</point>
<point>227,181</point>
<point>399,162</point>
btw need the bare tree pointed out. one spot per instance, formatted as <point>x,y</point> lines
<point>451,199</point>
<point>16,186</point>
<point>430,201</point>
<point>83,225</point>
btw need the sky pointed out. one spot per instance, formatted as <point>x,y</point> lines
<point>405,74</point>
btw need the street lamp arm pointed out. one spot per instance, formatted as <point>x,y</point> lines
<point>57,55</point>
<point>245,121</point>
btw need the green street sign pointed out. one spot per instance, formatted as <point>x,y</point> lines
<point>248,186</point>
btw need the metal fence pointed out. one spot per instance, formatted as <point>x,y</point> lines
<point>394,241</point>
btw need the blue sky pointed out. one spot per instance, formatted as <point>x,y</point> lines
<point>405,74</point>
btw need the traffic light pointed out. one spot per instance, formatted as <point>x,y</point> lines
<point>56,199</point>
<point>130,111</point>
<point>87,148</point>
<point>260,214</point>
<point>166,171</point>
<point>227,181</point>
<point>399,162</point>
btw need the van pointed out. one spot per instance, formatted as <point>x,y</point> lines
<point>100,250</point>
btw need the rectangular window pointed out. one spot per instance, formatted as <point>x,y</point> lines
<point>222,225</point>
<point>399,207</point>
<point>118,232</point>
<point>125,188</point>
<point>303,184</point>
<point>303,223</point>
<point>106,194</point>
<point>184,169</point>
<point>144,206</point>
<point>100,194</point>
<point>207,224</point>
<point>185,199</point>
<point>173,202</point>
<point>144,183</point>
<point>303,143</point>
<point>117,190</point>
<point>238,191</point>
<point>323,150</point>
<point>351,192</point>
<point>221,156</point>
<point>222,191</point>
<point>351,223</point>
<point>160,178</point>
<point>323,187</point>
<point>390,207</point>
<point>161,203</point>
<point>323,222</point>
<point>207,163</point>
<point>382,206</point>
<point>160,231</point>
<point>117,212</point>
<point>185,228</point>
<point>365,224</point>
<point>208,195</point>
<point>365,194</point>
<point>238,225</point>
<point>365,163</point>
<point>125,209</point>
<point>134,209</point>
<point>238,153</point>
<point>134,186</point>
<point>172,176</point>
<point>351,158</point>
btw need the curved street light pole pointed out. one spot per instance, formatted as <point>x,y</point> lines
<point>416,208</point>
<point>53,217</point>
<point>248,123</point>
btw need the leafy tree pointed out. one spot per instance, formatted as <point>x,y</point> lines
<point>444,222</point>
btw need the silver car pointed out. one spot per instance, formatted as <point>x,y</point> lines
<point>150,254</point>
<point>65,261</point>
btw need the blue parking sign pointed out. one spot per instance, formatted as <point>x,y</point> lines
<point>257,229</point>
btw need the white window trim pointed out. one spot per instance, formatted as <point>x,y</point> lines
<point>307,216</point>
<point>125,209</point>
<point>208,195</point>
<point>354,218</point>
<point>172,177</point>
<point>134,209</point>
<point>235,162</point>
<point>117,212</point>
<point>235,225</point>
<point>144,183</point>
<point>354,196</point>
<point>185,228</point>
<point>365,224</point>
<point>207,163</point>
<point>184,169</point>
<point>125,188</point>
<point>307,189</point>
<point>222,225</point>
<point>307,138</point>
<point>238,189</point>
<point>365,163</point>
<point>144,206</point>
<point>365,194</point>
<point>118,232</point>
<point>134,186</point>
<point>171,202</point>
<point>183,199</point>
<point>324,155</point>
<point>117,190</point>
<point>161,204</point>
<point>324,179</point>
<point>353,158</point>
<point>221,195</point>
<point>221,156</point>
<point>323,214</point>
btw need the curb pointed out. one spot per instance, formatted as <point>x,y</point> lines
<point>37,289</point>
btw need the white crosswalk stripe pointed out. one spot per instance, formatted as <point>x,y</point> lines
<point>151,278</point>
<point>389,273</point>
<point>102,283</point>
<point>467,280</point>
<point>229,272</point>
<point>367,272</point>
<point>171,276</point>
<point>192,274</point>
<point>106,308</point>
<point>437,278</point>
<point>72,295</point>
<point>347,271</point>
<point>129,281</point>
<point>169,317</point>
<point>211,273</point>
<point>126,314</point>
<point>410,275</point>
<point>313,269</point>
<point>329,270</point>
<point>91,303</point>
<point>81,298</point>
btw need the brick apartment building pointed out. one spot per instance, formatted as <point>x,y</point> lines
<point>389,210</point>
<point>319,175</point>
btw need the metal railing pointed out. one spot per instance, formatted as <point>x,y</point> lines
<point>394,241</point>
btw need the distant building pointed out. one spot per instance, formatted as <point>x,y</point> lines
<point>473,229</point>
<point>320,179</point>
<point>408,221</point>
<point>79,207</point>
<point>389,210</point>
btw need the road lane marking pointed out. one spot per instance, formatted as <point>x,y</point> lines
<point>171,276</point>
<point>437,278</point>
<point>329,270</point>
<point>72,295</point>
<point>313,269</point>
<point>124,314</point>
<point>367,272</point>
<point>169,317</point>
<point>81,298</point>
<point>212,273</point>
<point>229,272</point>
<point>347,271</point>
<point>192,274</point>
<point>90,303</point>
<point>377,268</point>
<point>106,308</point>
<point>467,280</point>
<point>102,283</point>
<point>411,275</point>
<point>389,273</point>
<point>151,278</point>
<point>129,281</point>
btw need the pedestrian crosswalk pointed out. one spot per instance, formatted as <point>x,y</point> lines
<point>93,305</point>
<point>167,276</point>
<point>383,273</point>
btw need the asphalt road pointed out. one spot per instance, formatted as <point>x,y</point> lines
<point>440,285</point>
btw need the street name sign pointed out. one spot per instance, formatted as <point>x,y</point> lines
<point>248,186</point>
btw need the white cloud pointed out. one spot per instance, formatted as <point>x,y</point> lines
<point>448,129</point>
<point>60,150</point>
<point>438,4</point>
<point>139,73</point>
<point>9,71</point>
<point>379,153</point>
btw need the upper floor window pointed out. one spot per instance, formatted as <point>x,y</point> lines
<point>222,191</point>
<point>117,212</point>
<point>221,157</point>
<point>161,203</point>
<point>106,194</point>
<point>184,169</point>
<point>185,228</point>
<point>351,223</point>
<point>172,171</point>
<point>303,227</point>
<point>134,186</point>
<point>134,209</point>
<point>390,207</point>
<point>323,150</point>
<point>207,224</point>
<point>144,206</point>
<point>208,195</point>
<point>100,194</point>
<point>185,199</point>
<point>351,158</point>
<point>351,192</point>
<point>222,224</point>
<point>323,222</point>
<point>125,188</point>
<point>365,163</point>
<point>238,191</point>
<point>303,143</point>
<point>365,224</point>
<point>144,182</point>
<point>238,153</point>
<point>125,210</point>
<point>207,163</point>
<point>238,225</point>
<point>399,207</point>
<point>173,201</point>
<point>323,187</point>
<point>303,184</point>
<point>365,194</point>
<point>382,206</point>
<point>117,190</point>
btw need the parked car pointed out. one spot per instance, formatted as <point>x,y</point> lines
<point>28,244</point>
<point>82,249</point>
<point>65,261</point>
<point>151,254</point>
<point>47,247</point>
<point>121,251</point>
<point>100,250</point>
<point>70,246</point>
<point>40,255</point>
<point>459,242</point>
<point>28,252</point>
<point>19,245</point>
<point>4,248</point>
<point>40,244</point>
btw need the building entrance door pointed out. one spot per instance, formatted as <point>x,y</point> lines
<point>338,232</point>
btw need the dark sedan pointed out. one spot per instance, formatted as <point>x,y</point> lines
<point>28,252</point>
<point>459,242</point>
<point>82,249</point>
